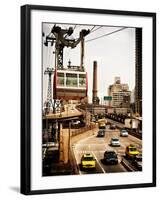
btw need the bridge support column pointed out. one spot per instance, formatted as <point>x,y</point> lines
<point>64,145</point>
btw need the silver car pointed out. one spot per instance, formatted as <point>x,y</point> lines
<point>115,142</point>
<point>123,133</point>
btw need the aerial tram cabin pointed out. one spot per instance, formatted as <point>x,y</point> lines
<point>70,84</point>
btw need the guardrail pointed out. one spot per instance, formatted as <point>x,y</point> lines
<point>74,165</point>
<point>138,135</point>
<point>82,130</point>
<point>121,125</point>
<point>127,165</point>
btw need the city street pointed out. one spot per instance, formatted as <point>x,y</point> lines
<point>78,98</point>
<point>98,145</point>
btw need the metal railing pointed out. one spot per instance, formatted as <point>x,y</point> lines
<point>82,130</point>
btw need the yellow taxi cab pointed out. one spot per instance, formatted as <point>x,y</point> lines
<point>88,161</point>
<point>131,151</point>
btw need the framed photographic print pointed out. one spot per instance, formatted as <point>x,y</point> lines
<point>88,99</point>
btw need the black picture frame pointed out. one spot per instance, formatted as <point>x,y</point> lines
<point>26,86</point>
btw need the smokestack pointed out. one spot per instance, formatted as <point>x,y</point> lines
<point>95,99</point>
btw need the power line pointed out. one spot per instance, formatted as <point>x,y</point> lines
<point>74,27</point>
<point>96,29</point>
<point>92,28</point>
<point>106,34</point>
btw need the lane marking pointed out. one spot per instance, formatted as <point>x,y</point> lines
<point>99,163</point>
<point>92,144</point>
<point>87,151</point>
<point>81,141</point>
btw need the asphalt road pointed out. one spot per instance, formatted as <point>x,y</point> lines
<point>98,145</point>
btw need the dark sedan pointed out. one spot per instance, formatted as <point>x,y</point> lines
<point>113,126</point>
<point>110,157</point>
<point>101,133</point>
<point>137,162</point>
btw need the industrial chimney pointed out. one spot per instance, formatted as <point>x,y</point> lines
<point>95,99</point>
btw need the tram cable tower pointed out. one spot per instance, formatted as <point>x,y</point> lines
<point>49,71</point>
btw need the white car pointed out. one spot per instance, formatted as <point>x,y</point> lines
<point>115,142</point>
<point>76,122</point>
<point>123,133</point>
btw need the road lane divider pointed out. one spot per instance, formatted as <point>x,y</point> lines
<point>89,151</point>
<point>127,165</point>
<point>99,163</point>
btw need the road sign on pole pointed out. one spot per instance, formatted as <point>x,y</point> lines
<point>107,98</point>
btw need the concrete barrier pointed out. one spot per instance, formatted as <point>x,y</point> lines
<point>127,165</point>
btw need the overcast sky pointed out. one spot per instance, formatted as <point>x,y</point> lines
<point>114,53</point>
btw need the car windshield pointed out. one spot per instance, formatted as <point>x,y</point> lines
<point>123,130</point>
<point>101,132</point>
<point>139,158</point>
<point>111,155</point>
<point>115,139</point>
<point>132,149</point>
<point>102,127</point>
<point>87,158</point>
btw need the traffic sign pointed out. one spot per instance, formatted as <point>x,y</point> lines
<point>107,98</point>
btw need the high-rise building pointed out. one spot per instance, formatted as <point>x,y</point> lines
<point>120,94</point>
<point>138,74</point>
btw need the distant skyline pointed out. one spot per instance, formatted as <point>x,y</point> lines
<point>114,53</point>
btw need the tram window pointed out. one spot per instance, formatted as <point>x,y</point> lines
<point>60,79</point>
<point>71,80</point>
<point>82,80</point>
